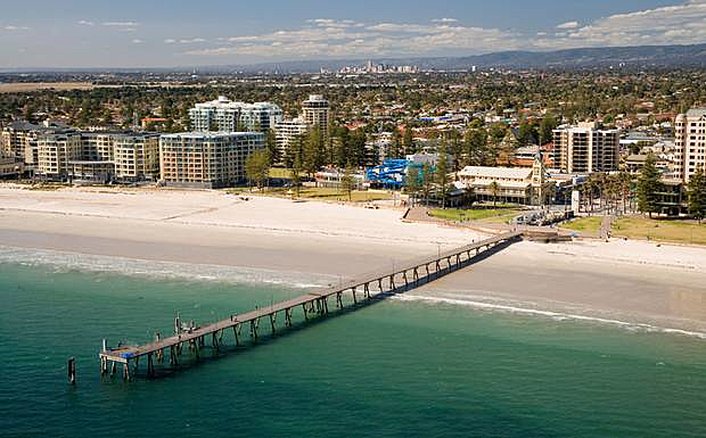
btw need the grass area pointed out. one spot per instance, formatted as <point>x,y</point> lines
<point>489,215</point>
<point>589,225</point>
<point>320,193</point>
<point>678,231</point>
<point>280,172</point>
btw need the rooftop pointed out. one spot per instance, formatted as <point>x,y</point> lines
<point>696,112</point>
<point>496,172</point>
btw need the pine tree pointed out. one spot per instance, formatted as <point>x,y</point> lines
<point>442,173</point>
<point>407,140</point>
<point>257,167</point>
<point>313,151</point>
<point>494,189</point>
<point>648,186</point>
<point>697,195</point>
<point>271,144</point>
<point>412,182</point>
<point>348,182</point>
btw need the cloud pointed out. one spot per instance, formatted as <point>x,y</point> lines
<point>13,28</point>
<point>680,24</point>
<point>324,37</point>
<point>137,41</point>
<point>86,23</point>
<point>568,25</point>
<point>330,38</point>
<point>120,23</point>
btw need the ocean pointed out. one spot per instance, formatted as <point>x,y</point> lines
<point>400,367</point>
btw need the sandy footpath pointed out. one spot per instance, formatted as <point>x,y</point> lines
<point>621,280</point>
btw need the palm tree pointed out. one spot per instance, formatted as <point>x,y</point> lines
<point>494,189</point>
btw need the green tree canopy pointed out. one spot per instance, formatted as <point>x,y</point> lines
<point>648,186</point>
<point>257,167</point>
<point>697,195</point>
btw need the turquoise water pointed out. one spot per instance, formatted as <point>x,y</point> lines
<point>397,368</point>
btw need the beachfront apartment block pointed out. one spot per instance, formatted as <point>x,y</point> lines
<point>98,156</point>
<point>18,139</point>
<point>690,143</point>
<point>286,133</point>
<point>55,152</point>
<point>315,112</point>
<point>225,115</point>
<point>206,159</point>
<point>586,149</point>
<point>136,156</point>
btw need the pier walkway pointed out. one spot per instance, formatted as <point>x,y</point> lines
<point>312,304</point>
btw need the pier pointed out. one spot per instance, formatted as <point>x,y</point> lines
<point>318,303</point>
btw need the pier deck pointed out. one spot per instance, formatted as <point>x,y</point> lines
<point>368,285</point>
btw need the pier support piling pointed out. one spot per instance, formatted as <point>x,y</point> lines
<point>71,370</point>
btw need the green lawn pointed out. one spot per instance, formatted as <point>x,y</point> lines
<point>677,231</point>
<point>589,225</point>
<point>280,172</point>
<point>490,215</point>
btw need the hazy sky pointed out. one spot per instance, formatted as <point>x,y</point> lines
<point>151,33</point>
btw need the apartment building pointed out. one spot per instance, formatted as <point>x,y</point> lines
<point>136,156</point>
<point>98,156</point>
<point>315,112</point>
<point>206,160</point>
<point>18,139</point>
<point>690,143</point>
<point>286,132</point>
<point>225,115</point>
<point>586,149</point>
<point>55,152</point>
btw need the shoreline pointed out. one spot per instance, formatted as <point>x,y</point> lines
<point>636,282</point>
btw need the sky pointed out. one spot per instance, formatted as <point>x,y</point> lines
<point>169,33</point>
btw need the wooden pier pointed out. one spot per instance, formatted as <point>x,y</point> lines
<point>312,304</point>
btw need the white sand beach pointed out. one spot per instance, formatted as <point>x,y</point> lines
<point>621,280</point>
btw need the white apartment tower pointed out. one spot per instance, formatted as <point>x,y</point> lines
<point>224,115</point>
<point>315,112</point>
<point>690,143</point>
<point>206,160</point>
<point>286,132</point>
<point>586,149</point>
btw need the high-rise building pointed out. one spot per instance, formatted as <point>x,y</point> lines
<point>18,139</point>
<point>55,151</point>
<point>315,112</point>
<point>206,160</point>
<point>136,156</point>
<point>224,115</point>
<point>690,143</point>
<point>586,149</point>
<point>286,132</point>
<point>98,156</point>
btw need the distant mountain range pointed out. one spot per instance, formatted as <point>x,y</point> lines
<point>633,57</point>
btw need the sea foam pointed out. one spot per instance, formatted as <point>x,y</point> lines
<point>62,261</point>
<point>554,315</point>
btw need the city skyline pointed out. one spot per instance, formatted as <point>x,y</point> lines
<point>38,33</point>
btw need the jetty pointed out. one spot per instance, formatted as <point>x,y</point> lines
<point>351,294</point>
